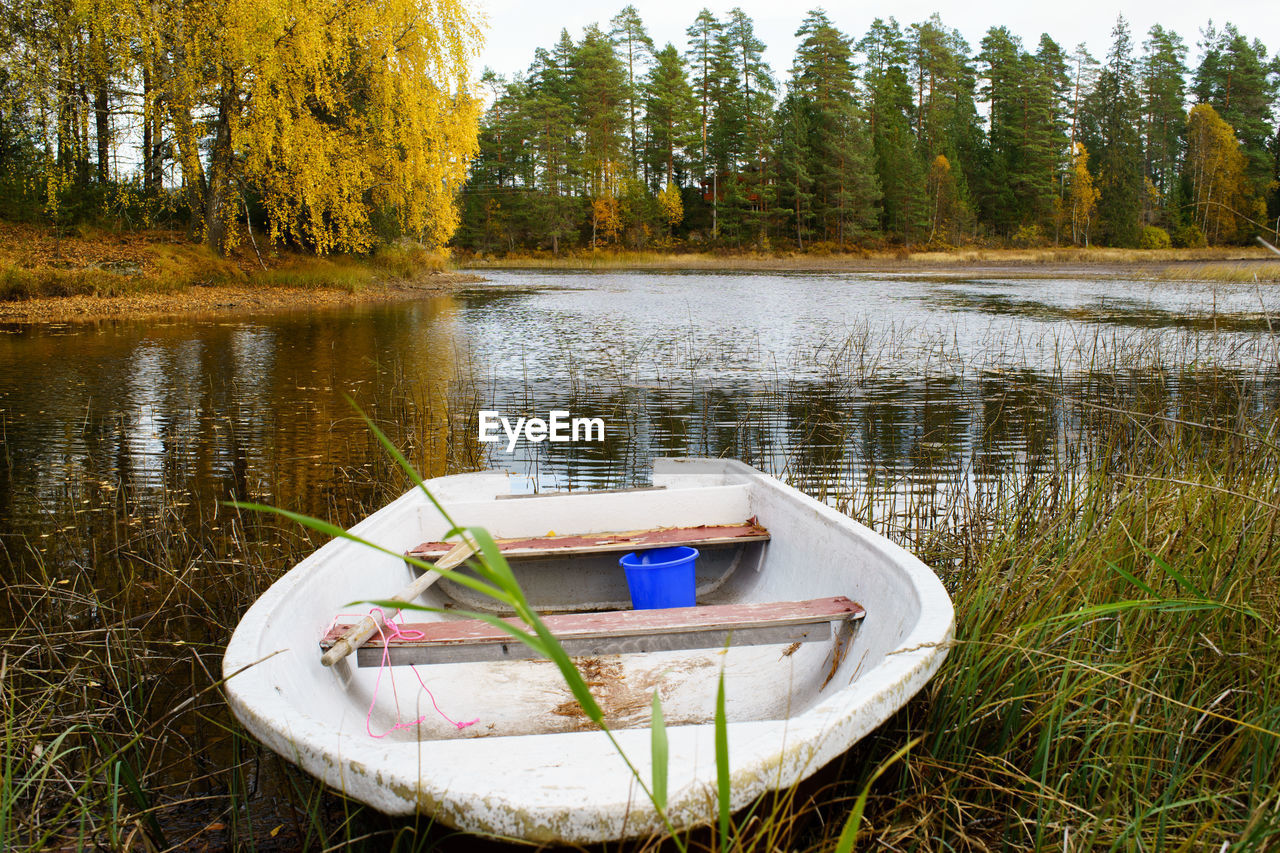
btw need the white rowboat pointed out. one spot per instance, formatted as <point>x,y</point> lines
<point>798,693</point>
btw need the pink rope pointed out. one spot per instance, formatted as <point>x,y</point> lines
<point>398,632</point>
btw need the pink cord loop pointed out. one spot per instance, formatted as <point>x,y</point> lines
<point>395,631</point>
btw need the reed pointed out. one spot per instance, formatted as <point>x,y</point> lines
<point>1113,680</point>
<point>1263,270</point>
<point>853,260</point>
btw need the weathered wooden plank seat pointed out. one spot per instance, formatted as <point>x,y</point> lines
<point>603,543</point>
<point>613,632</point>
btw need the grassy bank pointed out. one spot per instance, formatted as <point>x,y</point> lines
<point>42,262</point>
<point>1231,264</point>
<point>1113,682</point>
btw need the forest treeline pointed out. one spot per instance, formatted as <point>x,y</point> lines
<point>903,136</point>
<point>324,124</point>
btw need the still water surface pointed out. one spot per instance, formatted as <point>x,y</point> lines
<point>826,378</point>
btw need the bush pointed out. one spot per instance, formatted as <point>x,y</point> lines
<point>407,259</point>
<point>1154,238</point>
<point>1189,237</point>
<point>1029,237</point>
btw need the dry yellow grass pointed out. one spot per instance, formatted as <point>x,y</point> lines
<point>903,260</point>
<point>39,262</point>
<point>1263,270</point>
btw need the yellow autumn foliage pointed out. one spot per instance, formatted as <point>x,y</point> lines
<point>1219,187</point>
<point>1084,196</point>
<point>328,111</point>
<point>671,204</point>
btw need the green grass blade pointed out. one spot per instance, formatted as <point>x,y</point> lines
<point>493,560</point>
<point>1142,585</point>
<point>577,684</point>
<point>321,526</point>
<point>660,749</point>
<point>722,764</point>
<point>1179,577</point>
<point>849,834</point>
<point>143,802</point>
<point>498,622</point>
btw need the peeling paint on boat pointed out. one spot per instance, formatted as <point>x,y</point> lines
<point>530,769</point>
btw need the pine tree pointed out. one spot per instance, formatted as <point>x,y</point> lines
<point>827,173</point>
<point>703,34</point>
<point>905,212</point>
<point>636,50</point>
<point>796,130</point>
<point>1044,132</point>
<point>1083,70</point>
<point>1111,115</point>
<point>599,85</point>
<point>1001,67</point>
<point>740,129</point>
<point>671,115</point>
<point>553,143</point>
<point>947,121</point>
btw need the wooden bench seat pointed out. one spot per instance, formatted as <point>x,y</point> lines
<point>615,632</point>
<point>603,543</point>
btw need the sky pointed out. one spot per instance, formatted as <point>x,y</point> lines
<point>517,27</point>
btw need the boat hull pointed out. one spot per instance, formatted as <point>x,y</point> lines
<point>532,767</point>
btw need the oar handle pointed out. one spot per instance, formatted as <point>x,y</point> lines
<point>366,627</point>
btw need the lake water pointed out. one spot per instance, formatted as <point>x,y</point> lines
<point>827,379</point>
<point>883,395</point>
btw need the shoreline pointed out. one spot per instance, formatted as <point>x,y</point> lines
<point>223,299</point>
<point>1239,263</point>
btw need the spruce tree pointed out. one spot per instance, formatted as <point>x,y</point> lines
<point>1164,120</point>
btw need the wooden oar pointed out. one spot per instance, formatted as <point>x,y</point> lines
<point>365,628</point>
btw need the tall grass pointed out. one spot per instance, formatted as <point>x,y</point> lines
<point>114,731</point>
<point>1114,681</point>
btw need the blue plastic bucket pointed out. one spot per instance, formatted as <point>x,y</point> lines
<point>661,577</point>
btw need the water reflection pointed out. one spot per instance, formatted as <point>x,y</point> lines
<point>185,415</point>
<point>831,381</point>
